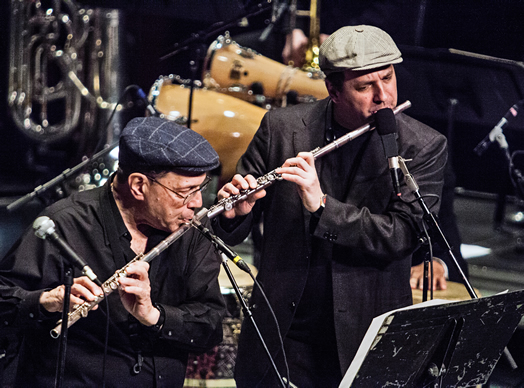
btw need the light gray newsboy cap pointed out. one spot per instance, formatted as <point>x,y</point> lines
<point>358,48</point>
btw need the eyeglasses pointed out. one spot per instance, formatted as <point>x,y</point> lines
<point>188,196</point>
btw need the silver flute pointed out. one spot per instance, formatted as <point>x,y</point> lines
<point>112,284</point>
<point>271,177</point>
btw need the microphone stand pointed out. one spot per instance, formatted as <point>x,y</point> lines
<point>228,253</point>
<point>434,227</point>
<point>435,230</point>
<point>278,11</point>
<point>62,346</point>
<point>40,190</point>
<point>196,43</point>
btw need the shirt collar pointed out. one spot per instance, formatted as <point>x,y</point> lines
<point>112,217</point>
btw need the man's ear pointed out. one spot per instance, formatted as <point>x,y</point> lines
<point>138,185</point>
<point>333,92</point>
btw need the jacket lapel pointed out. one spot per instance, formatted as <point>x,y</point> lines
<point>312,134</point>
<point>307,137</point>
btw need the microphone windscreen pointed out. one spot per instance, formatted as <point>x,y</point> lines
<point>43,226</point>
<point>385,122</point>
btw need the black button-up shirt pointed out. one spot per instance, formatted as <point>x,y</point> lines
<point>183,282</point>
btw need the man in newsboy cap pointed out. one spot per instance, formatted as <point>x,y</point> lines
<point>337,240</point>
<point>162,309</point>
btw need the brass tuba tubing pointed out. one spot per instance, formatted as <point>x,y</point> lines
<point>271,177</point>
<point>111,284</point>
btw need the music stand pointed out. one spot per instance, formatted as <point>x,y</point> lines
<point>436,343</point>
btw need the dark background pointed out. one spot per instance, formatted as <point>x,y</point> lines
<point>460,95</point>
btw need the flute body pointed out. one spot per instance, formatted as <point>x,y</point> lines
<point>111,284</point>
<point>271,177</point>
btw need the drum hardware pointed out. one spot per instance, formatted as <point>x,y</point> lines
<point>195,43</point>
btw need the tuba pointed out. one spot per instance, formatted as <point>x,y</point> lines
<point>63,68</point>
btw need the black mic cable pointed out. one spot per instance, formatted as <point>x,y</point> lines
<point>149,107</point>
<point>232,255</point>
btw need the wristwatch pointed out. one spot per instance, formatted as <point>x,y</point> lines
<point>323,200</point>
<point>317,213</point>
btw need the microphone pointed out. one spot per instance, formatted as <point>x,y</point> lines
<point>219,244</point>
<point>151,109</point>
<point>496,133</point>
<point>45,227</point>
<point>387,129</point>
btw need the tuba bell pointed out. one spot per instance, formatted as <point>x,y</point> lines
<point>63,60</point>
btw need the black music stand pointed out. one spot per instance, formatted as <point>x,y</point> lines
<point>444,345</point>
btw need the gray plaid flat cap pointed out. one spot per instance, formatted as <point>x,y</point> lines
<point>155,143</point>
<point>358,48</point>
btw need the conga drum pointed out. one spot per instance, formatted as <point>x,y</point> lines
<point>233,69</point>
<point>228,123</point>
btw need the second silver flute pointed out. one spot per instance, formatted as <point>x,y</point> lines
<point>112,284</point>
<point>271,177</point>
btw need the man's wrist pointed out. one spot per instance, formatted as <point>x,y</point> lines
<point>317,213</point>
<point>161,318</point>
